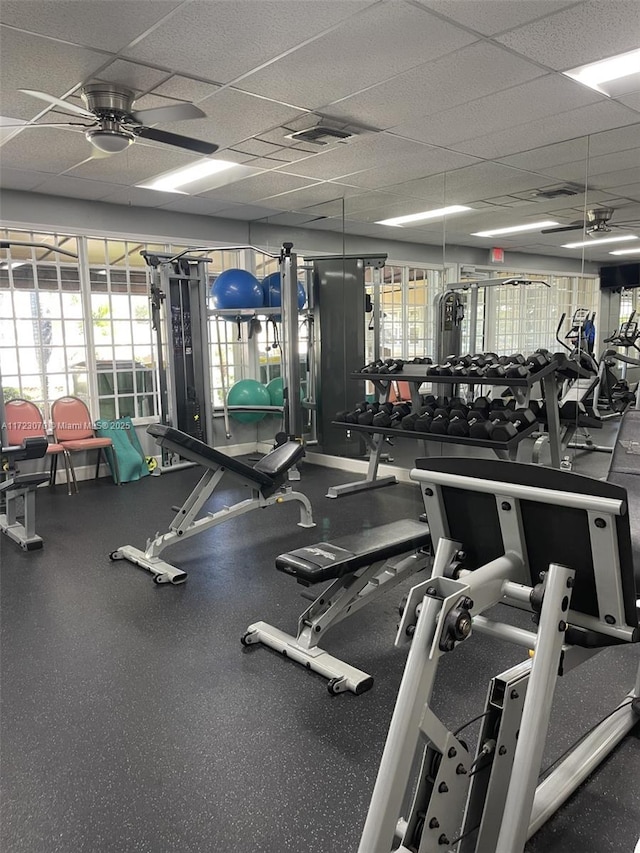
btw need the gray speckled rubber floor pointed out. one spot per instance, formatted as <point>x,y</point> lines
<point>133,721</point>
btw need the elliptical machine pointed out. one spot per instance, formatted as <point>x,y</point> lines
<point>617,390</point>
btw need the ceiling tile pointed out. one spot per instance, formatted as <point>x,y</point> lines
<point>290,219</point>
<point>139,197</point>
<point>185,88</point>
<point>52,67</point>
<point>219,41</point>
<point>592,118</point>
<point>584,33</point>
<point>46,149</point>
<point>470,73</point>
<point>140,78</point>
<point>632,101</point>
<point>482,181</point>
<point>138,163</point>
<point>195,204</point>
<point>246,212</point>
<point>394,37</point>
<point>598,167</point>
<point>233,117</point>
<point>429,161</point>
<point>314,194</point>
<point>258,187</point>
<point>257,147</point>
<point>496,16</point>
<point>65,185</point>
<point>109,26</point>
<point>19,179</point>
<point>545,157</point>
<point>620,178</point>
<point>534,100</point>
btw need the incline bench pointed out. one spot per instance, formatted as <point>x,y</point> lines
<point>549,542</point>
<point>266,480</point>
<point>14,485</point>
<point>361,567</point>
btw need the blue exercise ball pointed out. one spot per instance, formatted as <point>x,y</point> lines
<point>271,286</point>
<point>235,288</point>
<point>248,392</point>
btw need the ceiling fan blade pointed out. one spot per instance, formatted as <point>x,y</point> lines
<point>176,112</point>
<point>186,142</point>
<point>72,108</point>
<point>565,228</point>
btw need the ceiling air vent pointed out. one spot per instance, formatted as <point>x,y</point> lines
<point>321,134</point>
<point>558,192</point>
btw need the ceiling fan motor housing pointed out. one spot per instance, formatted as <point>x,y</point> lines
<point>105,99</point>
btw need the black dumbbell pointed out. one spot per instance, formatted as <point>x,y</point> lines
<point>423,423</point>
<point>391,365</point>
<point>458,424</point>
<point>409,421</point>
<point>395,418</point>
<point>539,409</point>
<point>440,422</point>
<point>479,426</point>
<point>538,360</point>
<point>366,418</point>
<point>517,370</point>
<point>372,367</point>
<point>495,370</point>
<point>457,402</point>
<point>352,416</point>
<point>429,400</point>
<point>481,404</point>
<point>383,416</point>
<point>518,421</point>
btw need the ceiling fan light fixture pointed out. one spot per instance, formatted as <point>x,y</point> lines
<point>621,239</point>
<point>109,141</point>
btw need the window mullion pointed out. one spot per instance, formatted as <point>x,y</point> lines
<point>85,295</point>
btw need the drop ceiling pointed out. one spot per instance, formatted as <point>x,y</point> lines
<point>451,102</point>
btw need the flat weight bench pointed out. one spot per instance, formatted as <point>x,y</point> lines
<point>266,480</point>
<point>16,486</point>
<point>362,567</point>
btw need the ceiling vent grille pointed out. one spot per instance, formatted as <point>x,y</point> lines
<point>561,191</point>
<point>321,134</point>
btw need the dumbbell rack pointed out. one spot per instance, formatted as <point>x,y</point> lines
<point>416,375</point>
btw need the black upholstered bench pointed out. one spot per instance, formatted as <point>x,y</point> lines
<point>361,566</point>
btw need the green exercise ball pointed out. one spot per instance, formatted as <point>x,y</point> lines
<point>276,391</point>
<point>248,392</point>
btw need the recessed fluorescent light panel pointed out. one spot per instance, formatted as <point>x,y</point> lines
<point>626,251</point>
<point>516,229</point>
<point>588,243</point>
<point>616,76</point>
<point>426,214</point>
<point>199,177</point>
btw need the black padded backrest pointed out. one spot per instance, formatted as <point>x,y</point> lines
<point>280,459</point>
<point>197,451</point>
<point>553,534</point>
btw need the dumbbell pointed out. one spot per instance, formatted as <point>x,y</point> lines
<point>409,421</point>
<point>418,360</point>
<point>518,421</point>
<point>496,370</point>
<point>429,400</point>
<point>463,365</point>
<point>478,425</point>
<point>481,404</point>
<point>392,365</point>
<point>352,416</point>
<point>423,422</point>
<point>445,368</point>
<point>457,402</point>
<point>393,420</point>
<point>366,418</point>
<point>517,370</point>
<point>383,416</point>
<point>440,422</point>
<point>458,424</point>
<point>538,360</point>
<point>345,415</point>
<point>372,367</point>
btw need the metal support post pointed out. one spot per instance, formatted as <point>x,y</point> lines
<point>553,418</point>
<point>290,355</point>
<point>537,710</point>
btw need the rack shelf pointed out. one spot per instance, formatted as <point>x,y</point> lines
<point>443,439</point>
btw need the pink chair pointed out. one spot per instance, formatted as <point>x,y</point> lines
<point>73,429</point>
<point>24,420</point>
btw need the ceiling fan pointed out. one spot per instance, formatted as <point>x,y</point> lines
<point>597,222</point>
<point>115,124</point>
